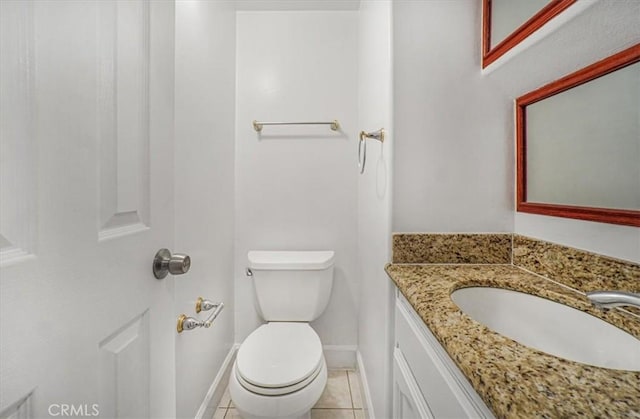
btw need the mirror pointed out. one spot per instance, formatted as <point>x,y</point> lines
<point>578,144</point>
<point>505,23</point>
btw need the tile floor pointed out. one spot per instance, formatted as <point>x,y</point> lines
<point>340,400</point>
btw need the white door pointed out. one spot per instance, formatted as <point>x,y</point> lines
<point>86,200</point>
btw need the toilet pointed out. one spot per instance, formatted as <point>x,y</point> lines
<point>280,370</point>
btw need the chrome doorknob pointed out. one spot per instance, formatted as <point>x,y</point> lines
<point>165,263</point>
<point>179,264</point>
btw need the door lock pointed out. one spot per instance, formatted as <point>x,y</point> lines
<point>165,263</point>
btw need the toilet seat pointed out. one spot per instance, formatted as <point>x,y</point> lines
<point>279,358</point>
<point>277,391</point>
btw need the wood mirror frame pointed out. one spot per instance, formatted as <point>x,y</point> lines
<point>604,215</point>
<point>489,55</point>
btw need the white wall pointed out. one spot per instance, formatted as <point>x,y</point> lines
<point>453,153</point>
<point>204,188</point>
<point>374,203</point>
<point>296,186</point>
<point>455,144</point>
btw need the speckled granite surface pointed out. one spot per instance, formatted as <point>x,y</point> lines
<point>451,248</point>
<point>575,268</point>
<point>514,380</point>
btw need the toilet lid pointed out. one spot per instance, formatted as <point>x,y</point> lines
<point>279,354</point>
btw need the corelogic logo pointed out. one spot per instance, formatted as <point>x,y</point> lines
<point>74,410</point>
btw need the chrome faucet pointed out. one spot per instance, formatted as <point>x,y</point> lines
<point>610,299</point>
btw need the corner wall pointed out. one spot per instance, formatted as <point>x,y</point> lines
<point>375,321</point>
<point>204,188</point>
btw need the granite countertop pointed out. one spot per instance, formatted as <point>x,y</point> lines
<point>514,380</point>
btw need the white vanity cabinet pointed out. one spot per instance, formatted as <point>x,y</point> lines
<point>426,382</point>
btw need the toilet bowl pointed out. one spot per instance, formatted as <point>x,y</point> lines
<point>280,370</point>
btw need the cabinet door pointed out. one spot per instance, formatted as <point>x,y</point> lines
<point>446,392</point>
<point>408,402</point>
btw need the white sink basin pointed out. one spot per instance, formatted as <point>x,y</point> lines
<point>550,327</point>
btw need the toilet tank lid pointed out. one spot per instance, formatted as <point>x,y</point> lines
<point>291,260</point>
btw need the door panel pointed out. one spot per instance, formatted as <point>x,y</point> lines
<point>408,402</point>
<point>124,371</point>
<point>87,202</point>
<point>123,116</point>
<point>17,149</point>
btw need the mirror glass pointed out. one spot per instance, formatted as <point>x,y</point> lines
<point>578,143</point>
<point>583,145</point>
<point>506,23</point>
<point>509,15</point>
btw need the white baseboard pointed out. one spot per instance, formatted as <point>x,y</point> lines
<point>340,356</point>
<point>219,384</point>
<point>364,388</point>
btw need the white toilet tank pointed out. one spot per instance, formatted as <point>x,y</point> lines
<point>292,286</point>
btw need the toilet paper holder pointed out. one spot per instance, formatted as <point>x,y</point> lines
<point>190,323</point>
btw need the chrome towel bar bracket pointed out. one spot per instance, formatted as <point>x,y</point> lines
<point>374,135</point>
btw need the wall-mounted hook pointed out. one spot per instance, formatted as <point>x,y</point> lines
<point>362,145</point>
